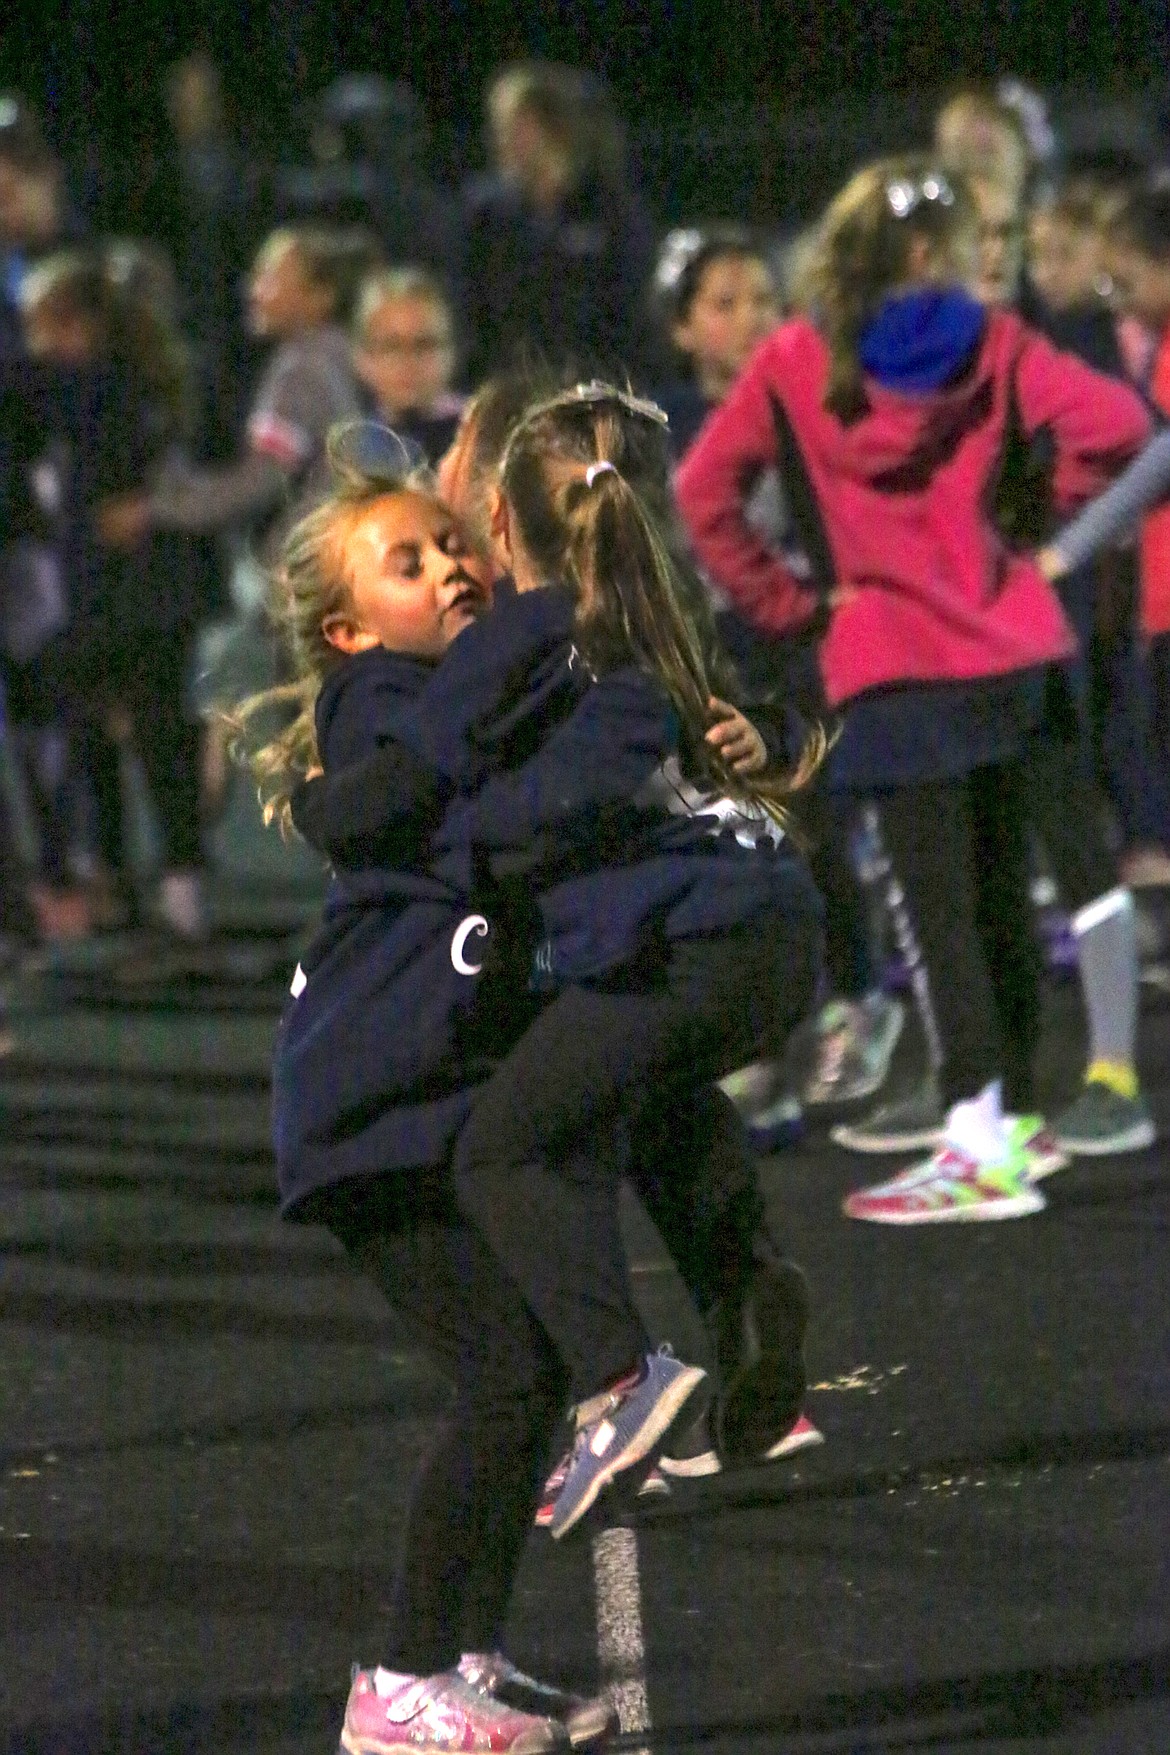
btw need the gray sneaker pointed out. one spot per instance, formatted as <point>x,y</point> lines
<point>1100,1123</point>
<point>629,1429</point>
<point>855,1044</point>
<point>912,1123</point>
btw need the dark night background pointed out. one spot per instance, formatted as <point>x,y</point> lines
<point>95,64</point>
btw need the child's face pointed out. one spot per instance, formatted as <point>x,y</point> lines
<point>283,298</point>
<point>1064,261</point>
<point>1141,284</point>
<point>405,355</point>
<point>415,583</point>
<point>734,307</point>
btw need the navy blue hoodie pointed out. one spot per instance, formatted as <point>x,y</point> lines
<point>507,768</point>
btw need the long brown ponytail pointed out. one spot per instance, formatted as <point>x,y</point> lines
<point>572,472</point>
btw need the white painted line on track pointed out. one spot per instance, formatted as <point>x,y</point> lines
<point>621,1647</point>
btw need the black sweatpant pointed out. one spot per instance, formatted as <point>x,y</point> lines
<point>959,848</point>
<point>1065,809</point>
<point>594,1056</point>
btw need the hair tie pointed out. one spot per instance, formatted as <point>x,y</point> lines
<point>596,469</point>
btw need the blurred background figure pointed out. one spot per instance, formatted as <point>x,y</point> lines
<point>369,166</point>
<point>717,300</point>
<point>559,247</point>
<point>404,354</point>
<point>206,212</point>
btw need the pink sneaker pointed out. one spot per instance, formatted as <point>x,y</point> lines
<point>803,1436</point>
<point>586,1720</point>
<point>388,1714</point>
<point>950,1186</point>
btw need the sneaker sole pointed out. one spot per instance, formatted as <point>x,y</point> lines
<point>691,1468</point>
<point>527,1745</point>
<point>697,1468</point>
<point>1016,1207</point>
<point>792,1443</point>
<point>766,1395</point>
<point>1138,1139</point>
<point>644,1446</point>
<point>873,1081</point>
<point>880,1144</point>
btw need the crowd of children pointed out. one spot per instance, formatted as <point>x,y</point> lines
<point>600,696</point>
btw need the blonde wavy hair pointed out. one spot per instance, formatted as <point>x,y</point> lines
<point>307,585</point>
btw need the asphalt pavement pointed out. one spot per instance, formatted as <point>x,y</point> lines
<point>208,1427</point>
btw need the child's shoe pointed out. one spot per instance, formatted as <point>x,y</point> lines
<point>585,1720</point>
<point>622,1428</point>
<point>655,1486</point>
<point>759,1350</point>
<point>979,1172</point>
<point>1102,1122</point>
<point>701,1460</point>
<point>389,1714</point>
<point>855,1044</point>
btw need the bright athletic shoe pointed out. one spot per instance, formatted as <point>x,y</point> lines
<point>855,1044</point>
<point>759,1351</point>
<point>628,1431</point>
<point>1100,1123</point>
<point>1032,1137</point>
<point>913,1123</point>
<point>802,1436</point>
<point>770,1113</point>
<point>586,1720</point>
<point>387,1714</point>
<point>950,1187</point>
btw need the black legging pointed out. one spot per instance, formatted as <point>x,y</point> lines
<point>474,1500</point>
<point>592,1056</point>
<point>563,1091</point>
<point>959,848</point>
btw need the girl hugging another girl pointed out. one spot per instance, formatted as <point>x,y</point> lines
<point>554,817</point>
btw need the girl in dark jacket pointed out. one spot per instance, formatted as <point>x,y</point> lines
<point>416,945</point>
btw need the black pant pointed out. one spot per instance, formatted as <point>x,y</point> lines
<point>144,674</point>
<point>960,851</point>
<point>474,1500</point>
<point>594,1056</point>
<point>476,1496</point>
<point>1064,805</point>
<point>520,1290</point>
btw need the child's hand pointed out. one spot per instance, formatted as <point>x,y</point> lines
<point>736,738</point>
<point>1051,563</point>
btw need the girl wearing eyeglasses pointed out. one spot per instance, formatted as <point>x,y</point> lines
<point>894,411</point>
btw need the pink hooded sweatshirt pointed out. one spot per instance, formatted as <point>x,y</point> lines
<point>931,590</point>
